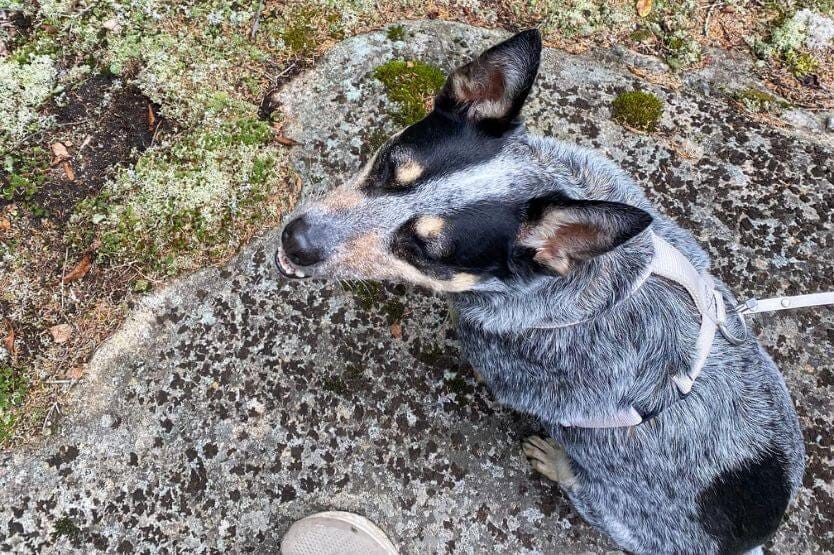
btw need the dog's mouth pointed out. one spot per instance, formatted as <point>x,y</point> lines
<point>287,268</point>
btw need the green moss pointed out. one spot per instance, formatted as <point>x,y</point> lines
<point>755,100</point>
<point>306,26</point>
<point>13,386</point>
<point>637,109</point>
<point>395,33</point>
<point>410,84</point>
<point>64,526</point>
<point>801,63</point>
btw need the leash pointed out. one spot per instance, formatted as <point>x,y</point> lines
<point>671,264</point>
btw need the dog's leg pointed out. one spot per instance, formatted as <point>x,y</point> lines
<point>549,460</point>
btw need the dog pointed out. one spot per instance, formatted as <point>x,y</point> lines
<point>580,304</point>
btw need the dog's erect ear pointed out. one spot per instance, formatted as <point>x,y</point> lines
<point>562,234</point>
<point>491,89</point>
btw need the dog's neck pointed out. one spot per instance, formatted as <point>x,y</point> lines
<point>587,293</point>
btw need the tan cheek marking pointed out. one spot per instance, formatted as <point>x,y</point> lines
<point>429,227</point>
<point>342,199</point>
<point>409,172</point>
<point>365,257</point>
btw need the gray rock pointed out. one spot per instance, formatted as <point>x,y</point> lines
<point>240,402</point>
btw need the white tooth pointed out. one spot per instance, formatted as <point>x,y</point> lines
<point>299,273</point>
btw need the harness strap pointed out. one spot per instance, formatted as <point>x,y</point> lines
<point>671,264</point>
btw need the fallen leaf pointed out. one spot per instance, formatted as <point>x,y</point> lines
<point>286,141</point>
<point>8,341</point>
<point>5,224</point>
<point>79,270</point>
<point>75,373</point>
<point>644,7</point>
<point>68,170</point>
<point>151,118</point>
<point>397,330</point>
<point>59,151</point>
<point>61,333</point>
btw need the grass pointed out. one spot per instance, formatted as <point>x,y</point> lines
<point>637,109</point>
<point>410,85</point>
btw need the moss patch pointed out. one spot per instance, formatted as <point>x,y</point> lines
<point>637,109</point>
<point>13,387</point>
<point>410,84</point>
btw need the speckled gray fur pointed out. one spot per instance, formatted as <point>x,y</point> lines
<point>219,413</point>
<point>640,485</point>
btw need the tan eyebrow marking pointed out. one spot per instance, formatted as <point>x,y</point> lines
<point>409,172</point>
<point>429,227</point>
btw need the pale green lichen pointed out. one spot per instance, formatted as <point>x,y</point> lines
<point>24,87</point>
<point>799,41</point>
<point>581,17</point>
<point>187,199</point>
<point>756,101</point>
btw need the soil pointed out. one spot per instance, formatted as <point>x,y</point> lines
<point>112,132</point>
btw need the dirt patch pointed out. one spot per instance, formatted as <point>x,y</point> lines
<point>107,124</point>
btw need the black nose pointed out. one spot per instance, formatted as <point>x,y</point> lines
<point>297,246</point>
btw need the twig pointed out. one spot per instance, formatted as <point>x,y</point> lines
<point>709,15</point>
<point>63,273</point>
<point>257,20</point>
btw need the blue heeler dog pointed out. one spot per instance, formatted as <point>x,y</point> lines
<point>580,304</point>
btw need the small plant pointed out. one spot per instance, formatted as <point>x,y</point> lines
<point>757,101</point>
<point>366,293</point>
<point>637,109</point>
<point>410,84</point>
<point>396,33</point>
<point>13,387</point>
<point>801,63</point>
<point>23,174</point>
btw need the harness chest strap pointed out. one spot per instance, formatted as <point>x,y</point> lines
<point>670,263</point>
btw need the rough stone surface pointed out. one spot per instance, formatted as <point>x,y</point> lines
<point>232,403</point>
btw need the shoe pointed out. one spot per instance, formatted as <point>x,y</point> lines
<point>336,533</point>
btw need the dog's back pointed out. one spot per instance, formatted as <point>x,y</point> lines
<point>709,472</point>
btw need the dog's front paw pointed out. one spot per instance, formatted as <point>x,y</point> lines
<point>549,459</point>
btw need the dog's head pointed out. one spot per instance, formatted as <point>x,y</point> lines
<point>459,201</point>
